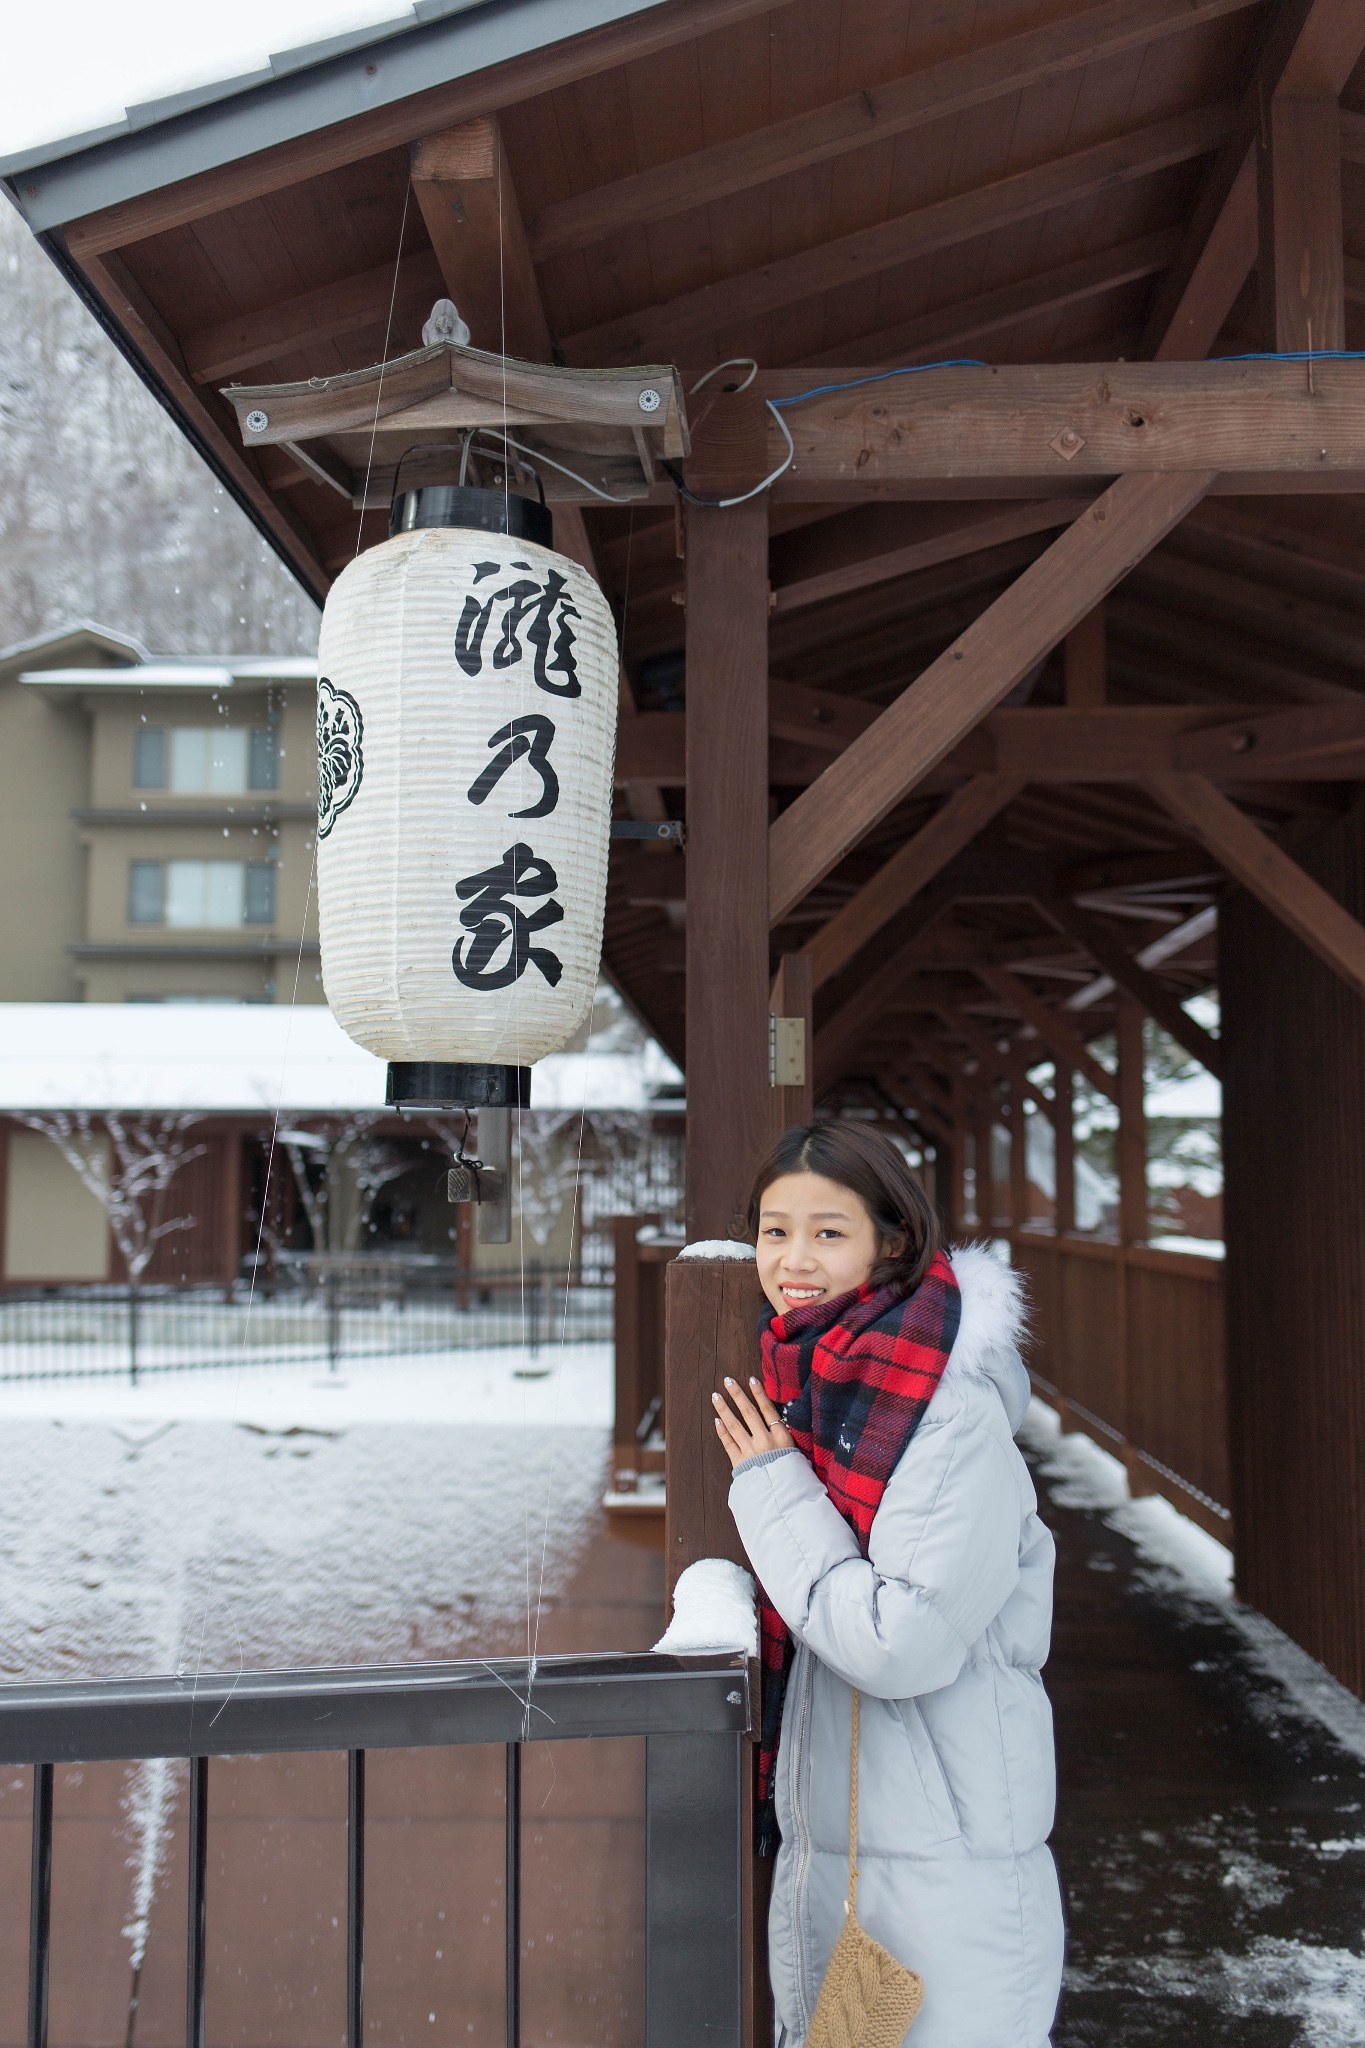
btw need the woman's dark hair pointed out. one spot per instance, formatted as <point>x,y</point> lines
<point>869,1165</point>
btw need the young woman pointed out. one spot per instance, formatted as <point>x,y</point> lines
<point>893,1528</point>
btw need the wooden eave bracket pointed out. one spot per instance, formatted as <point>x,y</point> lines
<point>613,426</point>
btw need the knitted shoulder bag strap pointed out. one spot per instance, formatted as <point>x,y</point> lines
<point>868,1999</point>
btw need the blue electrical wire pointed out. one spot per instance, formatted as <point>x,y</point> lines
<point>1319,355</point>
<point>910,370</point>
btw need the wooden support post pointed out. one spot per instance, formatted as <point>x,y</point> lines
<point>230,1152</point>
<point>791,1049</point>
<point>728,1104</point>
<point>1064,1207</point>
<point>626,1326</point>
<point>1084,657</point>
<point>947,1183</point>
<point>1301,266</point>
<point>712,1312</point>
<point>1132,1138</point>
<point>1018,1158</point>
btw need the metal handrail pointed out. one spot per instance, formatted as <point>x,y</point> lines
<point>697,1714</point>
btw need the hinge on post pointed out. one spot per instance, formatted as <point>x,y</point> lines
<point>786,1052</point>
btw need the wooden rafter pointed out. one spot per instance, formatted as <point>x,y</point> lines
<point>835,265</point>
<point>936,93</point>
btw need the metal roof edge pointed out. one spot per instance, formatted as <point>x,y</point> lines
<point>241,118</point>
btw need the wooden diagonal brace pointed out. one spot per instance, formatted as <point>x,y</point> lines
<point>1118,963</point>
<point>952,827</point>
<point>1061,1039</point>
<point>981,667</point>
<point>1267,871</point>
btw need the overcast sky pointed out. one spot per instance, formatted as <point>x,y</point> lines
<point>74,65</point>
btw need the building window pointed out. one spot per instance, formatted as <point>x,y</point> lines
<point>265,757</point>
<point>146,891</point>
<point>201,895</point>
<point>209,760</point>
<point>258,901</point>
<point>149,758</point>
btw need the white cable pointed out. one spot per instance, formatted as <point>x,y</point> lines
<point>730,363</point>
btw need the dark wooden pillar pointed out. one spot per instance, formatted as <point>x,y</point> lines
<point>712,1308</point>
<point>1132,1139</point>
<point>1300,264</point>
<point>1293,1042</point>
<point>1064,1124</point>
<point>728,1100</point>
<point>1083,658</point>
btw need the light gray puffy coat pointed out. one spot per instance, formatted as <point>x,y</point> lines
<point>943,1629</point>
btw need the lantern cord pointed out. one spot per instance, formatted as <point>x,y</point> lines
<point>383,366</point>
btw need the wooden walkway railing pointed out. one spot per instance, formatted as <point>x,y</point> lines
<point>1128,1342</point>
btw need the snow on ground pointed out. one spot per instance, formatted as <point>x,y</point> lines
<point>1322,1988</point>
<point>405,1508</point>
<point>1192,1567</point>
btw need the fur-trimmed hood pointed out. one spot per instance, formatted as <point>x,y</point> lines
<point>994,1323</point>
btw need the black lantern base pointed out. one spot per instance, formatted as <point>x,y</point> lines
<point>432,1084</point>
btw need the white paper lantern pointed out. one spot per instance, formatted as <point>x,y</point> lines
<point>467,687</point>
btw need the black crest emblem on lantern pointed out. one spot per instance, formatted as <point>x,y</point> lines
<point>341,763</point>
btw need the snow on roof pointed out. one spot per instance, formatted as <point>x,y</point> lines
<point>253,1058</point>
<point>171,673</point>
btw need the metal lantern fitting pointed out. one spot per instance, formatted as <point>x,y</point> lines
<point>467,686</point>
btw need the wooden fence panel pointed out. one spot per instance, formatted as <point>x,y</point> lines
<point>1132,1340</point>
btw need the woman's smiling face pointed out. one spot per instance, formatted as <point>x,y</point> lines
<point>816,1241</point>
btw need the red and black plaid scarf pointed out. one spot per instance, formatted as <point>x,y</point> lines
<point>852,1378</point>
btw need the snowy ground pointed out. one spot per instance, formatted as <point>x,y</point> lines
<point>282,1515</point>
<point>1216,1896</point>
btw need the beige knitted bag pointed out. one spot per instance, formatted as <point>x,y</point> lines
<point>868,1999</point>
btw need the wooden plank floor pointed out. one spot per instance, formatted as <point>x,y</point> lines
<point>1204,1909</point>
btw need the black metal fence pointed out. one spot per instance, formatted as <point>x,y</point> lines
<point>695,1714</point>
<point>317,1310</point>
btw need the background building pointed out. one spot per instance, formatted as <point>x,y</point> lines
<point>156,824</point>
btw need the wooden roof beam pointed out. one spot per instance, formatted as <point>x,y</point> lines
<point>1060,423</point>
<point>1310,49</point>
<point>463,185</point>
<point>935,93</point>
<point>1314,916</point>
<point>970,678</point>
<point>838,1033</point>
<point>660,330</point>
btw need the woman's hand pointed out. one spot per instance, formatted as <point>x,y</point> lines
<point>755,1427</point>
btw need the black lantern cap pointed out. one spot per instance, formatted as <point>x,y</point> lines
<point>432,1084</point>
<point>427,502</point>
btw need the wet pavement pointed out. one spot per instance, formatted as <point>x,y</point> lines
<point>1211,1831</point>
